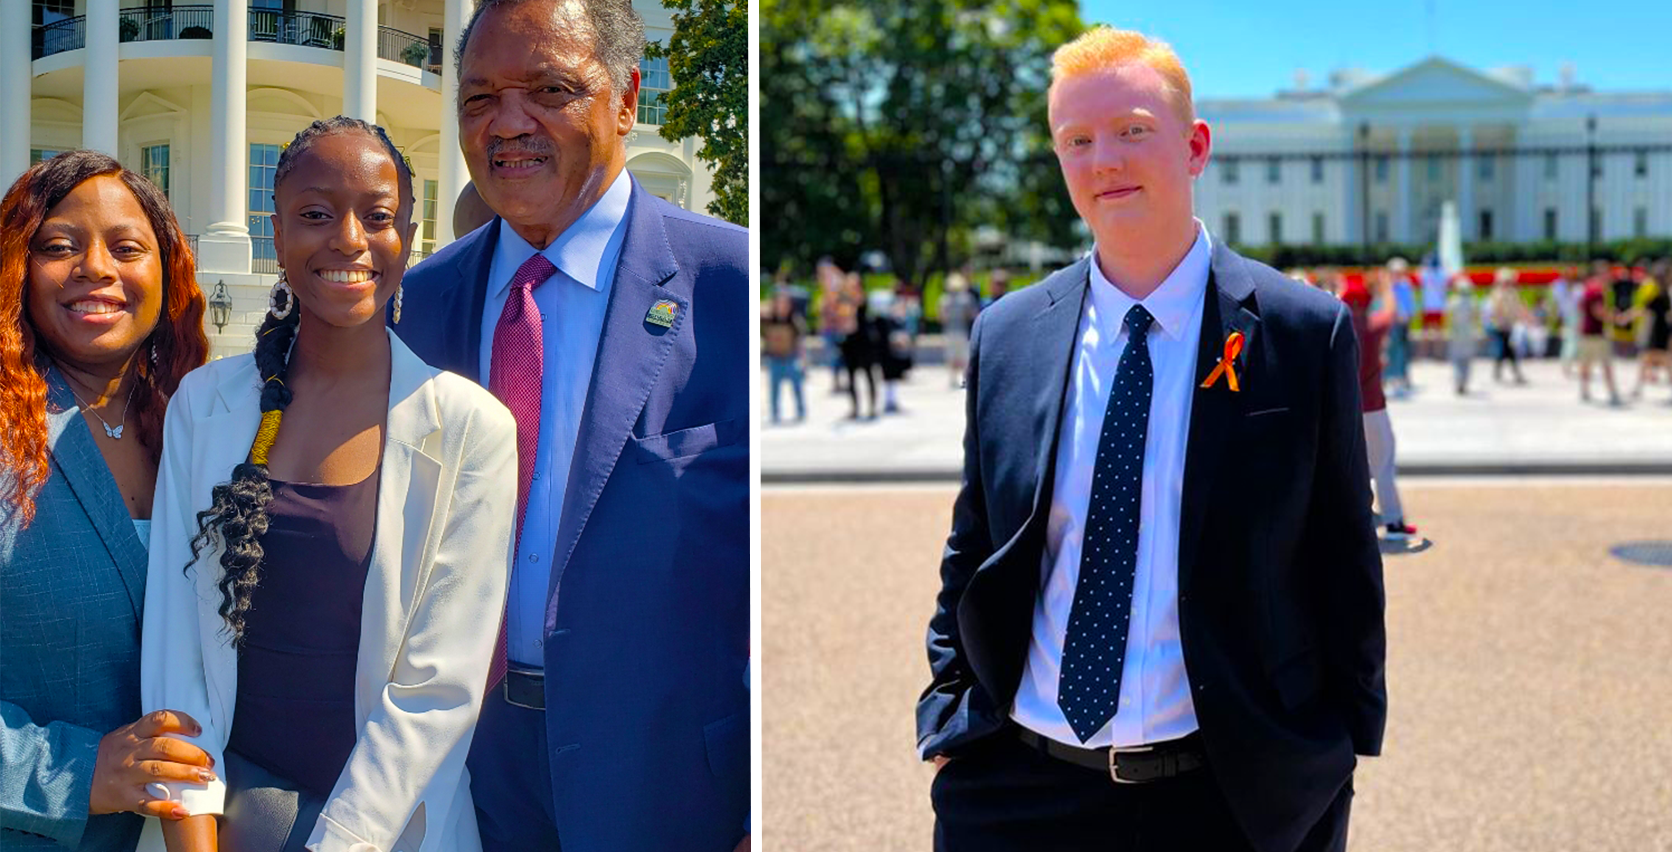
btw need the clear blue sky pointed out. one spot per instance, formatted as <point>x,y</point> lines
<point>1251,48</point>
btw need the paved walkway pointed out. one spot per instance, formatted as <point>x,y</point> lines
<point>1528,677</point>
<point>1540,427</point>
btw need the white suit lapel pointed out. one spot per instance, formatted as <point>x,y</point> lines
<point>408,487</point>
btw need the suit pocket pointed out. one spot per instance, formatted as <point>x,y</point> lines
<point>1296,679</point>
<point>685,442</point>
<point>727,744</point>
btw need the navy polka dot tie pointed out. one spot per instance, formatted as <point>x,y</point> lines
<point>1095,646</point>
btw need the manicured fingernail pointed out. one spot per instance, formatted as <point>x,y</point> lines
<point>205,775</point>
<point>179,813</point>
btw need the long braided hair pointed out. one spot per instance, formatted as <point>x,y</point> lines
<point>238,514</point>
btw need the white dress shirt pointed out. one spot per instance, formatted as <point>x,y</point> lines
<point>571,304</point>
<point>1155,703</point>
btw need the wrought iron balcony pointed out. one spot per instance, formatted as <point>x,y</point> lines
<point>157,24</point>
<point>305,29</point>
<point>408,49</point>
<point>60,36</point>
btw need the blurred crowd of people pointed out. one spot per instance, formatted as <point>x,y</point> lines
<point>866,337</point>
<point>1585,317</point>
<point>1586,320</point>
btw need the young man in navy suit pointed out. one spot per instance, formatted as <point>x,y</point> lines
<point>616,328</point>
<point>1160,622</point>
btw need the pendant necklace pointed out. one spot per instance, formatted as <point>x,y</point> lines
<point>112,432</point>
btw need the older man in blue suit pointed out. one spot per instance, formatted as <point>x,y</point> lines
<point>615,326</point>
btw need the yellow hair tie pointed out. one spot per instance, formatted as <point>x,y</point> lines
<point>265,436</point>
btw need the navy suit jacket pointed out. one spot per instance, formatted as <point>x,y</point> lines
<point>72,585</point>
<point>1280,579</point>
<point>647,622</point>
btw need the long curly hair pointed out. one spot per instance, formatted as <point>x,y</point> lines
<point>174,348</point>
<point>237,516</point>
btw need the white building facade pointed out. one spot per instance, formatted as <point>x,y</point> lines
<point>201,97</point>
<point>1372,159</point>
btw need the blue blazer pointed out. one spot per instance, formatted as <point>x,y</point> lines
<point>71,588</point>
<point>647,619</point>
<point>1279,576</point>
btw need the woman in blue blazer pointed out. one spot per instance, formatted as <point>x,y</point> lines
<point>100,317</point>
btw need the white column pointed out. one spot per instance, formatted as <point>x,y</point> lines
<point>1401,230</point>
<point>1352,186</point>
<point>1521,194</point>
<point>1466,185</point>
<point>17,70</point>
<point>452,175</point>
<point>225,245</point>
<point>360,61</point>
<point>99,111</point>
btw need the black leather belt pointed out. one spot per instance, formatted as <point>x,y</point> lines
<point>1128,764</point>
<point>525,688</point>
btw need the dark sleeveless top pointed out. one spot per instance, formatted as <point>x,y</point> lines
<point>295,710</point>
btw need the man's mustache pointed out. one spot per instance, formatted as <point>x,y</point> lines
<point>528,145</point>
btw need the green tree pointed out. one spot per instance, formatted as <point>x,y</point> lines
<point>903,126</point>
<point>708,58</point>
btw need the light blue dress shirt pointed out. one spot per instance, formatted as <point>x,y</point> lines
<point>571,304</point>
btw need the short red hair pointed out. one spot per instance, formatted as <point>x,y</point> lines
<point>178,341</point>
<point>1101,48</point>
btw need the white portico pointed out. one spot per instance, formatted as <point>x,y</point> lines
<point>1371,159</point>
<point>201,97</point>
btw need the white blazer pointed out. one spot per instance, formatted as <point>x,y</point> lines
<point>435,594</point>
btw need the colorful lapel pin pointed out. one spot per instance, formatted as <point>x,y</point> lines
<point>662,313</point>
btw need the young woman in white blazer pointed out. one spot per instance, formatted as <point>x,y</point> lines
<point>329,466</point>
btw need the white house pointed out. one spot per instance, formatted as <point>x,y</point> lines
<point>1371,159</point>
<point>200,97</point>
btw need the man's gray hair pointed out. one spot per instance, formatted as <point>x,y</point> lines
<point>617,34</point>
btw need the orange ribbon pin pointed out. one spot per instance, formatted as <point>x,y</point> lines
<point>1227,363</point>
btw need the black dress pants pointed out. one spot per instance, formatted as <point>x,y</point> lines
<point>1004,796</point>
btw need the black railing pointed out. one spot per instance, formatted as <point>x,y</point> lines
<point>307,29</point>
<point>264,260</point>
<point>59,36</point>
<point>403,47</point>
<point>157,24</point>
<point>191,243</point>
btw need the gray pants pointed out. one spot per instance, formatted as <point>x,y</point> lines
<point>265,813</point>
<point>1378,439</point>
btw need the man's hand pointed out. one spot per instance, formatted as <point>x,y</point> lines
<point>137,754</point>
<point>742,845</point>
<point>940,760</point>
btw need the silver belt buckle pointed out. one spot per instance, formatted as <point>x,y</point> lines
<point>1114,761</point>
<point>537,675</point>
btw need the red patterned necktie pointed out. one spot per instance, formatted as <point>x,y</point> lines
<point>514,376</point>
